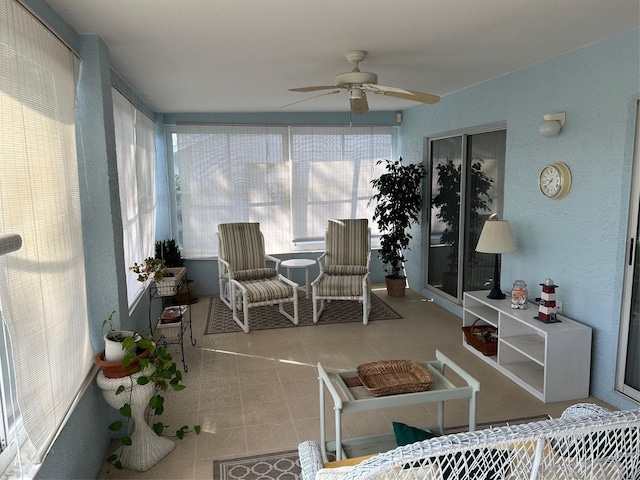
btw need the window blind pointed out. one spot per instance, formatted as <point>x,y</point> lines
<point>233,174</point>
<point>332,172</point>
<point>42,286</point>
<point>135,150</point>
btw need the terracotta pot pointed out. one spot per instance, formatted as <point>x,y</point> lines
<point>115,369</point>
<point>395,286</point>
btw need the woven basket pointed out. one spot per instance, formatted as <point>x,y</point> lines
<point>390,377</point>
<point>482,337</point>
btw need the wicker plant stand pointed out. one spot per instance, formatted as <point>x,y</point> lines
<point>146,448</point>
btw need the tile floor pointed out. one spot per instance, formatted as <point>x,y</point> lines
<point>258,392</point>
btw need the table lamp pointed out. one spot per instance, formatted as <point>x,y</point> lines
<point>496,237</point>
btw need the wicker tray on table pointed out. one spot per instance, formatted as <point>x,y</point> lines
<point>391,377</point>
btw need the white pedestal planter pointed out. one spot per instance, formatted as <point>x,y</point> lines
<point>146,448</point>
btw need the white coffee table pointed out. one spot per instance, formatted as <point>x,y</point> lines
<point>357,399</point>
<point>300,263</point>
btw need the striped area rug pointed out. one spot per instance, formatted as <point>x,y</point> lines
<point>219,319</point>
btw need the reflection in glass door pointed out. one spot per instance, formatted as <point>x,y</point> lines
<point>466,174</point>
<point>628,376</point>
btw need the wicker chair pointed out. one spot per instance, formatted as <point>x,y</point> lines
<point>245,279</point>
<point>587,444</point>
<point>344,266</point>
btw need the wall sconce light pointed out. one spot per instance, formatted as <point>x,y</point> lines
<point>552,124</point>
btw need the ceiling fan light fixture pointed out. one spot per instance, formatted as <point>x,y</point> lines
<point>356,94</point>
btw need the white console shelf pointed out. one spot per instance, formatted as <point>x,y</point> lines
<point>552,361</point>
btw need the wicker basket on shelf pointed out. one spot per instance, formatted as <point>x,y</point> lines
<point>483,338</point>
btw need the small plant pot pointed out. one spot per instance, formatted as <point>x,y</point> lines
<point>115,369</point>
<point>113,350</point>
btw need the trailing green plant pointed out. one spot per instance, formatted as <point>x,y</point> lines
<point>152,268</point>
<point>169,251</point>
<point>398,200</point>
<point>164,375</point>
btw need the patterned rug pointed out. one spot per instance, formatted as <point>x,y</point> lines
<point>286,465</point>
<point>280,466</point>
<point>220,320</point>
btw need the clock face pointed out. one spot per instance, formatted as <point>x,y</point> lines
<point>550,181</point>
<point>555,180</point>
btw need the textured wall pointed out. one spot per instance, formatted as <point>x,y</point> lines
<point>578,241</point>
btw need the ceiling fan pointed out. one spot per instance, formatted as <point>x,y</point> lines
<point>358,83</point>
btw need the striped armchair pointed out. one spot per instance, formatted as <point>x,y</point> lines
<point>344,266</point>
<point>245,279</point>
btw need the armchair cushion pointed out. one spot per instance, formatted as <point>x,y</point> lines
<point>241,245</point>
<point>254,274</point>
<point>267,290</point>
<point>347,242</point>
<point>345,270</point>
<point>340,285</point>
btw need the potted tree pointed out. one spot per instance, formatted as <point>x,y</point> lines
<point>398,200</point>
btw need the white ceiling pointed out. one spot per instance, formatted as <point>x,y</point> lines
<point>243,55</point>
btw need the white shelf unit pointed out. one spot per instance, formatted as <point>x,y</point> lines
<point>552,361</point>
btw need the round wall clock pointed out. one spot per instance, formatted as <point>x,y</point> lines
<point>555,180</point>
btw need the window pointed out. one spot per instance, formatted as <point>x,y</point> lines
<point>332,171</point>
<point>291,180</point>
<point>135,146</point>
<point>466,174</point>
<point>42,286</point>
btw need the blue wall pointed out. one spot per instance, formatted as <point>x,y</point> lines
<point>582,245</point>
<point>579,241</point>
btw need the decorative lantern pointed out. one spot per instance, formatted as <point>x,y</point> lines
<point>547,309</point>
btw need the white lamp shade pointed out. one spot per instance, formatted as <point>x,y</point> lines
<point>550,128</point>
<point>496,237</point>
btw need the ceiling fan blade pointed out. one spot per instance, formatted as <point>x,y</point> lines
<point>380,89</point>
<point>359,105</point>
<point>413,96</point>
<point>309,98</point>
<point>313,89</point>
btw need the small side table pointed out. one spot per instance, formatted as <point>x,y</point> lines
<point>300,263</point>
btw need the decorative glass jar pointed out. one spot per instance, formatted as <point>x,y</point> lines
<point>519,295</point>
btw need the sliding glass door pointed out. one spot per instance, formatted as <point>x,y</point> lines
<point>628,376</point>
<point>466,173</point>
